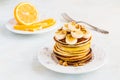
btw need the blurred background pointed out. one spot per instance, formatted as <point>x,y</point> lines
<point>102,13</point>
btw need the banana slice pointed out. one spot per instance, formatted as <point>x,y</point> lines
<point>60,34</point>
<point>71,26</point>
<point>87,33</point>
<point>65,27</point>
<point>77,27</point>
<point>77,34</point>
<point>74,26</point>
<point>70,40</point>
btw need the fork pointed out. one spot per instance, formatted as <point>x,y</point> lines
<point>69,19</point>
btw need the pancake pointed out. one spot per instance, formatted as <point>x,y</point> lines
<point>67,53</point>
<point>74,63</point>
<point>79,63</point>
<point>73,49</point>
<point>74,58</point>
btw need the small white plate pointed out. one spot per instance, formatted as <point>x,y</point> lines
<point>10,26</point>
<point>44,57</point>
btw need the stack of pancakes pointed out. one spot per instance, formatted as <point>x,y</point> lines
<point>72,45</point>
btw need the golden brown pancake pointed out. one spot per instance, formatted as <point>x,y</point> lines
<point>67,53</point>
<point>74,58</point>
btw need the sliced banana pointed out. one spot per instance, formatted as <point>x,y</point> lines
<point>77,34</point>
<point>70,40</point>
<point>60,34</point>
<point>77,27</point>
<point>74,26</point>
<point>65,27</point>
<point>87,33</point>
<point>71,26</point>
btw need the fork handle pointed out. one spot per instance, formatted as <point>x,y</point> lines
<point>95,28</point>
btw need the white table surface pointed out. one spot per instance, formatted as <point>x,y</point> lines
<point>18,52</point>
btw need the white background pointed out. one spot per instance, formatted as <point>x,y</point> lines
<point>18,52</point>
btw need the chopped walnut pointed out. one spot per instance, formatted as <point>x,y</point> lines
<point>60,62</point>
<point>65,63</point>
<point>76,64</point>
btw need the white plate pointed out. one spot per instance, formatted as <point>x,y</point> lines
<point>9,25</point>
<point>44,57</point>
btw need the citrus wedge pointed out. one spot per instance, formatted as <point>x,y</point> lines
<point>25,13</point>
<point>46,23</point>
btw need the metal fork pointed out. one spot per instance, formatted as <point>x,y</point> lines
<point>69,19</point>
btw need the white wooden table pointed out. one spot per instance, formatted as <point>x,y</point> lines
<point>18,52</point>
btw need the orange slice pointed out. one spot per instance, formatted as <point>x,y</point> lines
<point>46,23</point>
<point>36,26</point>
<point>25,13</point>
<point>27,27</point>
